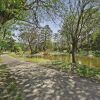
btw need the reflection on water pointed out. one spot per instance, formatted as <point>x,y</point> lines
<point>89,61</point>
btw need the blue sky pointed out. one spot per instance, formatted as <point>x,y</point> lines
<point>55,26</point>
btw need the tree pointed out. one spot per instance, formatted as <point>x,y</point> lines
<point>46,33</point>
<point>96,40</point>
<point>81,18</point>
<point>9,9</point>
<point>5,35</point>
<point>29,38</point>
<point>56,37</point>
<point>16,9</point>
<point>59,41</point>
<point>28,11</point>
<point>36,39</point>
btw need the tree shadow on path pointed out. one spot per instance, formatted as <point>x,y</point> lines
<point>40,83</point>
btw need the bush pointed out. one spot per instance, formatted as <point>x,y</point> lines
<point>96,53</point>
<point>81,70</point>
<point>86,71</point>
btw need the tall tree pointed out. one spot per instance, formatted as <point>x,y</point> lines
<point>81,18</point>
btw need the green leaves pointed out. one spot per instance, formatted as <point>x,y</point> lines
<point>9,9</point>
<point>85,71</point>
<point>3,43</point>
<point>55,1</point>
<point>2,5</point>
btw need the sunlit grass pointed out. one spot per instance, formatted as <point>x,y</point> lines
<point>33,59</point>
<point>1,60</point>
<point>38,60</point>
<point>16,56</point>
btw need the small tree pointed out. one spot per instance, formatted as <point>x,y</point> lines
<point>96,40</point>
<point>46,33</point>
<point>29,38</point>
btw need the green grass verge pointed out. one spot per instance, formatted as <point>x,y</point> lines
<point>1,60</point>
<point>80,70</point>
<point>38,60</point>
<point>33,59</point>
<point>86,71</point>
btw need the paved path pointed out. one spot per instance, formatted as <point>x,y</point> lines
<point>41,83</point>
<point>8,59</point>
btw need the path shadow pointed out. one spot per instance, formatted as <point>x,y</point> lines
<point>39,83</point>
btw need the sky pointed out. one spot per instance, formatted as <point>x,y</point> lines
<point>55,26</point>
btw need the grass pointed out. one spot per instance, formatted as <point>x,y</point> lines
<point>15,55</point>
<point>86,71</point>
<point>80,70</point>
<point>38,60</point>
<point>8,85</point>
<point>33,59</point>
<point>1,60</point>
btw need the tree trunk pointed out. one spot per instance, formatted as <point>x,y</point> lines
<point>31,49</point>
<point>73,52</point>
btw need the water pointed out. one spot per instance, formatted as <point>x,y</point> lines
<point>89,61</point>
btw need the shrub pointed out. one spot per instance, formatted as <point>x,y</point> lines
<point>86,71</point>
<point>81,70</point>
<point>96,53</point>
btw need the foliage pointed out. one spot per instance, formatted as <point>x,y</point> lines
<point>6,36</point>
<point>16,9</point>
<point>10,9</point>
<point>46,33</point>
<point>86,71</point>
<point>18,49</point>
<point>81,70</point>
<point>63,66</point>
<point>96,40</point>
<point>24,11</point>
<point>36,40</point>
<point>3,44</point>
<point>96,53</point>
<point>80,20</point>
